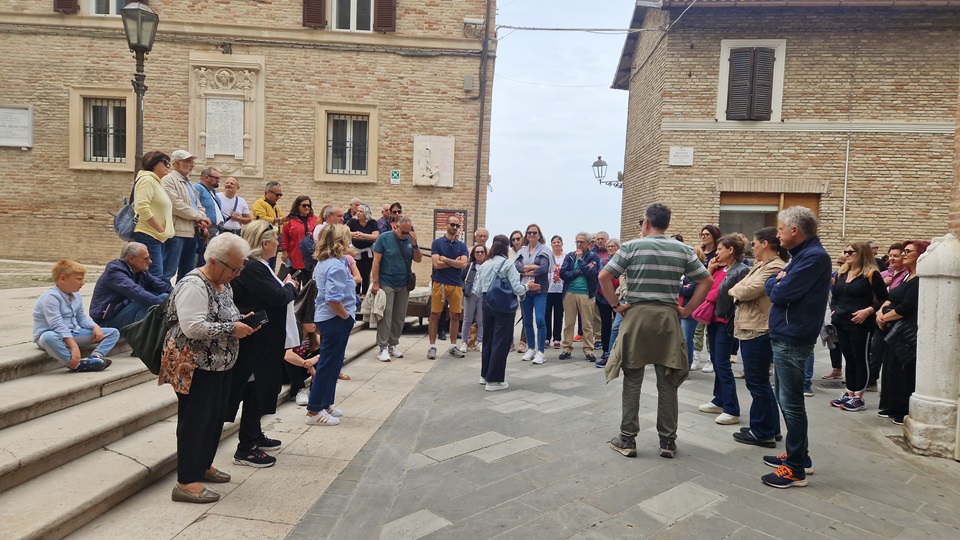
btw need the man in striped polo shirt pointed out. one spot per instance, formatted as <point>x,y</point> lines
<point>650,332</point>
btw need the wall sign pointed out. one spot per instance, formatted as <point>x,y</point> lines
<point>681,156</point>
<point>16,125</point>
<point>440,223</point>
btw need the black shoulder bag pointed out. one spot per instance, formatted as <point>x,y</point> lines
<point>411,277</point>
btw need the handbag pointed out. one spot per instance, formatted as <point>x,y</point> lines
<point>146,336</point>
<point>304,306</point>
<point>902,337</point>
<point>411,277</point>
<point>705,312</point>
<point>499,297</point>
<point>125,220</point>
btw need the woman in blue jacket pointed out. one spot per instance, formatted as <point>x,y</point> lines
<point>534,262</point>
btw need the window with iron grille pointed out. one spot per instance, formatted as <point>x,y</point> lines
<point>104,130</point>
<point>347,143</point>
<point>108,7</point>
<point>354,15</point>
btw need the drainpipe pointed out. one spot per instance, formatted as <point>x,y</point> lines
<point>846,178</point>
<point>483,112</point>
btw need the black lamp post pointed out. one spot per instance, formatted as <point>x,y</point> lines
<point>140,25</point>
<point>600,173</point>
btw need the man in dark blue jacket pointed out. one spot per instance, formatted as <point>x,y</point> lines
<point>126,289</point>
<point>799,298</point>
<point>579,274</point>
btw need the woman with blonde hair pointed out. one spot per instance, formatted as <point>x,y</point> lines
<point>335,313</point>
<point>858,295</point>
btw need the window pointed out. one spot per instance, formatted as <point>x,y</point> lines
<point>347,142</point>
<point>356,15</point>
<point>104,130</point>
<point>108,7</point>
<point>750,82</point>
<point>749,212</point>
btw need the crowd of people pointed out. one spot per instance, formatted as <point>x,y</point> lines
<point>241,325</point>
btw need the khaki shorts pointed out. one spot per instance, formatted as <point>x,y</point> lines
<point>452,294</point>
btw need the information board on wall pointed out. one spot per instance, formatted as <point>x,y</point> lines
<point>16,125</point>
<point>440,223</point>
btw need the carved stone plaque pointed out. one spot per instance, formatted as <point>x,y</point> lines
<point>16,125</point>
<point>433,161</point>
<point>224,127</point>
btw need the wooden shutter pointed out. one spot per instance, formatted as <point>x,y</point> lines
<point>315,13</point>
<point>738,89</point>
<point>67,7</point>
<point>750,88</point>
<point>384,15</point>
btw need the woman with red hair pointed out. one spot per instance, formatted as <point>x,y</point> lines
<point>899,373</point>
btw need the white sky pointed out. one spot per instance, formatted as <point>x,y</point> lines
<point>545,136</point>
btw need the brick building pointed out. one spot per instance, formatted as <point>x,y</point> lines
<point>326,96</point>
<point>744,107</point>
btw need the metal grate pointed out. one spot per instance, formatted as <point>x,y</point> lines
<point>347,143</point>
<point>105,130</point>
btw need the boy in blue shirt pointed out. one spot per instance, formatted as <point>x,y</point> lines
<point>61,327</point>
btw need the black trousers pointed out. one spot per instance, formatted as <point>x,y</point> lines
<point>606,324</point>
<point>855,344</point>
<point>554,317</point>
<point>497,335</point>
<point>250,430</point>
<point>836,357</point>
<point>364,265</point>
<point>897,384</point>
<point>200,423</point>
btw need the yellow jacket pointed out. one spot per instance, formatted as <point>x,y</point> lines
<point>150,200</point>
<point>262,209</point>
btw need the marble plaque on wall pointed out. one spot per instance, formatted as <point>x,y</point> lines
<point>224,127</point>
<point>433,161</point>
<point>16,125</point>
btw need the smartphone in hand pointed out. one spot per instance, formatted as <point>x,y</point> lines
<point>257,319</point>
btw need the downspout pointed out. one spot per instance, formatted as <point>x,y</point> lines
<point>846,177</point>
<point>483,112</point>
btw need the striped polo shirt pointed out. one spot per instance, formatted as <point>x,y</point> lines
<point>654,266</point>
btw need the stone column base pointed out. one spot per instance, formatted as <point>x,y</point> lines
<point>931,427</point>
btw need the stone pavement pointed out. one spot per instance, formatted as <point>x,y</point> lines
<point>454,461</point>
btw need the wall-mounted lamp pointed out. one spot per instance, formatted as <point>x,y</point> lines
<point>473,27</point>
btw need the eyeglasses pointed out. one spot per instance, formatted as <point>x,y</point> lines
<point>907,251</point>
<point>236,271</point>
<point>704,233</point>
<point>641,222</point>
<point>214,177</point>
<point>304,205</point>
<point>166,162</point>
<point>579,241</point>
<point>278,195</point>
<point>533,233</point>
<point>479,252</point>
<point>396,211</point>
<point>454,225</point>
<point>516,239</point>
<point>850,252</point>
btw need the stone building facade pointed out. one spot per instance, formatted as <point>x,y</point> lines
<point>330,97</point>
<point>856,115</point>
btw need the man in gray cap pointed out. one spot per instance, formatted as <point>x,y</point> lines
<point>189,218</point>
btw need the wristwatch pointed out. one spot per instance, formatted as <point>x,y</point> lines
<point>416,246</point>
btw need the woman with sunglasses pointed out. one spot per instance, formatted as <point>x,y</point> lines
<point>257,289</point>
<point>472,301</point>
<point>709,236</point>
<point>534,262</point>
<point>153,205</point>
<point>857,296</point>
<point>302,222</point>
<point>900,372</point>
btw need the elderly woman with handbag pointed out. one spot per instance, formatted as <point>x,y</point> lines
<point>198,355</point>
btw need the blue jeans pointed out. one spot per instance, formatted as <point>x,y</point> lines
<point>335,332</point>
<point>179,257</point>
<point>614,331</point>
<point>724,385</point>
<point>808,373</point>
<point>51,342</point>
<point>789,363</point>
<point>689,326</point>
<point>534,307</point>
<point>131,313</point>
<point>155,249</point>
<point>764,416</point>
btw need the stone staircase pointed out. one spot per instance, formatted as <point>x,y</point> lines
<point>73,445</point>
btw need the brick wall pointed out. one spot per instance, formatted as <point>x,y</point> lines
<point>873,65</point>
<point>55,207</point>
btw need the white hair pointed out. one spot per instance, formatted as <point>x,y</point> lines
<point>222,245</point>
<point>130,249</point>
<point>800,217</point>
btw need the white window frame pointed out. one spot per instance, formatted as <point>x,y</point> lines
<point>723,77</point>
<point>111,147</point>
<point>335,7</point>
<point>89,7</point>
<point>323,130</point>
<point>76,116</point>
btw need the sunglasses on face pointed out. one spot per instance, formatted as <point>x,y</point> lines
<point>533,233</point>
<point>304,205</point>
<point>396,211</point>
<point>480,252</point>
<point>850,252</point>
<point>516,239</point>
<point>277,195</point>
<point>455,225</point>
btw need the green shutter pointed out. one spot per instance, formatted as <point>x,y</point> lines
<point>763,60</point>
<point>739,87</point>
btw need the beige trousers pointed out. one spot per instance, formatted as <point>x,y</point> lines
<point>586,307</point>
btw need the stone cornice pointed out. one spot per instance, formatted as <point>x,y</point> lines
<point>945,128</point>
<point>811,3</point>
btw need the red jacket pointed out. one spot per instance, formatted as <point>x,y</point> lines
<point>292,234</point>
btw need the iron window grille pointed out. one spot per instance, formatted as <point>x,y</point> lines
<point>104,130</point>
<point>347,143</point>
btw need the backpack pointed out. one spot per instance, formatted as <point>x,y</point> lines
<point>146,336</point>
<point>125,220</point>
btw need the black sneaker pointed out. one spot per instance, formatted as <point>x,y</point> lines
<point>778,437</point>
<point>898,420</point>
<point>625,445</point>
<point>267,444</point>
<point>778,461</point>
<point>746,437</point>
<point>591,358</point>
<point>254,458</point>
<point>565,355</point>
<point>667,448</point>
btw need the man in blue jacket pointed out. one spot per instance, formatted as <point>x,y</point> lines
<point>799,297</point>
<point>126,289</point>
<point>579,274</point>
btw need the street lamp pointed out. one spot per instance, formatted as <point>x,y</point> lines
<point>600,172</point>
<point>140,25</point>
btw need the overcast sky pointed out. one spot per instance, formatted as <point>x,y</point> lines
<point>545,136</point>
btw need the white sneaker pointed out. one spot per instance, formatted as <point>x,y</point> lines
<point>463,346</point>
<point>727,419</point>
<point>479,347</point>
<point>334,412</point>
<point>383,355</point>
<point>527,356</point>
<point>696,365</point>
<point>432,353</point>
<point>539,358</point>
<point>303,397</point>
<point>323,418</point>
<point>395,352</point>
<point>710,408</point>
<point>483,381</point>
<point>494,386</point>
<point>708,367</point>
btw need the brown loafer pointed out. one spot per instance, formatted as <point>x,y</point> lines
<point>216,477</point>
<point>204,497</point>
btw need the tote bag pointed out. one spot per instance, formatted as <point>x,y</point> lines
<point>499,297</point>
